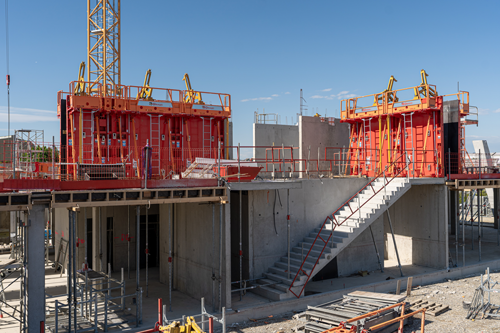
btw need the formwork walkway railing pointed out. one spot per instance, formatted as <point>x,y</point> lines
<point>337,221</point>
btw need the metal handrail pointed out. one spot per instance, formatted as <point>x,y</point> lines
<point>336,223</point>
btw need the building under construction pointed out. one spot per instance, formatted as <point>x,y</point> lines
<point>145,196</point>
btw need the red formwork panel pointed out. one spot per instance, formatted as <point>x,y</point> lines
<point>105,132</point>
<point>378,142</point>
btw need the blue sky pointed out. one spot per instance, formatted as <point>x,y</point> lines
<point>262,53</point>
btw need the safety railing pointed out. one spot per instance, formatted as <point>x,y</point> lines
<point>85,88</point>
<point>394,101</point>
<point>474,166</point>
<point>160,96</point>
<point>188,323</point>
<point>210,99</point>
<point>336,223</point>
<point>100,161</point>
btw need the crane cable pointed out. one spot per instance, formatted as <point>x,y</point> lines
<point>7,60</point>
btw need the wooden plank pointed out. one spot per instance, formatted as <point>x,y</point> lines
<point>398,287</point>
<point>369,294</point>
<point>438,311</point>
<point>408,286</point>
<point>415,302</point>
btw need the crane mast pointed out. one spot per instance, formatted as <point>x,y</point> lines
<point>103,45</point>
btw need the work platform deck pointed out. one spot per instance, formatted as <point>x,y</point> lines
<point>101,198</point>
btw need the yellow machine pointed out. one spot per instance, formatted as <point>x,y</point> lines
<point>390,96</point>
<point>146,91</point>
<point>191,95</point>
<point>176,327</point>
<point>421,92</point>
<point>80,86</point>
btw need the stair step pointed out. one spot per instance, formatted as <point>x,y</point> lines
<point>270,293</point>
<point>278,286</point>
<point>293,268</point>
<point>297,255</point>
<point>297,262</point>
<point>312,237</point>
<point>317,248</point>
<point>300,280</point>
<point>327,231</point>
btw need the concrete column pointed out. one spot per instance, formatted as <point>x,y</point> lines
<point>35,270</point>
<point>227,251</point>
<point>496,212</point>
<point>452,197</point>
<point>95,239</point>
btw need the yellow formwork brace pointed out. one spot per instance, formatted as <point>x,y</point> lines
<point>176,327</point>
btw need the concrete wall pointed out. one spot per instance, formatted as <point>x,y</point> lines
<point>195,253</point>
<point>314,135</point>
<point>419,219</point>
<point>277,135</point>
<point>360,255</point>
<point>309,207</point>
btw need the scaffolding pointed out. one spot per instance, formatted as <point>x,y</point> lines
<point>29,149</point>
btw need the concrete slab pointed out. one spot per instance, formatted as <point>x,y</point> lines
<point>266,185</point>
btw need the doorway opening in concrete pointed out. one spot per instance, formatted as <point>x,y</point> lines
<point>153,239</point>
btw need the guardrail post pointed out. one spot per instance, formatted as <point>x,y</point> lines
<point>385,187</point>
<point>224,319</point>
<point>137,308</point>
<point>123,290</point>
<point>203,314</point>
<point>140,309</point>
<point>105,312</point>
<point>210,325</point>
<point>283,160</point>
<point>57,316</point>
<point>95,310</point>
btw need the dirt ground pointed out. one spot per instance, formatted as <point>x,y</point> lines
<point>450,292</point>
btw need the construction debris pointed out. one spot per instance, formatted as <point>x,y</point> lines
<point>433,308</point>
<point>359,303</point>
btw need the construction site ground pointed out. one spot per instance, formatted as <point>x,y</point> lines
<point>450,292</point>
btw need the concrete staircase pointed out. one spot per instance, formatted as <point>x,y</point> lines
<point>276,282</point>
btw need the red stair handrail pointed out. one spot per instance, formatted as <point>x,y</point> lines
<point>336,223</point>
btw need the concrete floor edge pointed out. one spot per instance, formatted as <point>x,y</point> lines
<point>299,304</point>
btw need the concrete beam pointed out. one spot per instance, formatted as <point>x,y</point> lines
<point>427,181</point>
<point>35,270</point>
<point>266,185</point>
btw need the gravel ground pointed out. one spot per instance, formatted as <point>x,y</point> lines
<point>450,292</point>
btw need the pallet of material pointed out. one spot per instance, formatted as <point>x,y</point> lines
<point>433,308</point>
<point>325,316</point>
